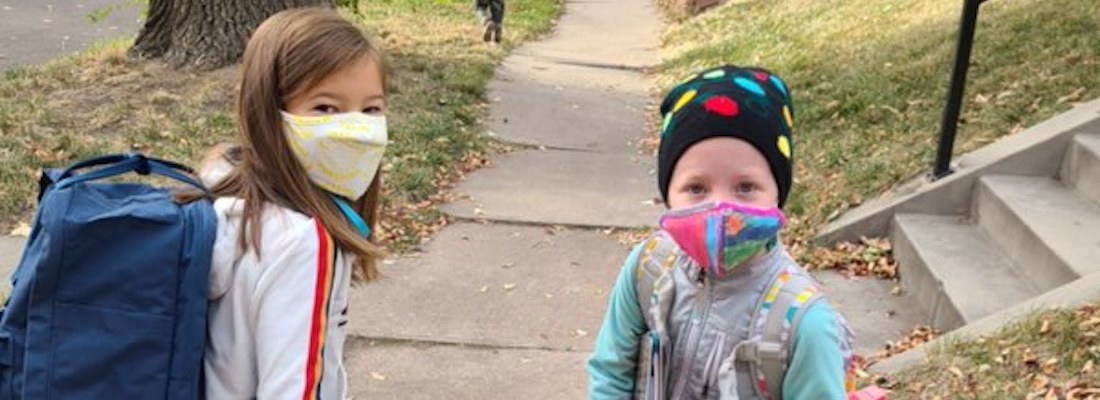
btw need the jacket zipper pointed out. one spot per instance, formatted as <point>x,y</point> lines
<point>713,359</point>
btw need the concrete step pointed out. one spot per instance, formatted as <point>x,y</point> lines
<point>954,271</point>
<point>1081,168</point>
<point>1048,229</point>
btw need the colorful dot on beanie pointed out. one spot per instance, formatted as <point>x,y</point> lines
<point>750,104</point>
<point>721,105</point>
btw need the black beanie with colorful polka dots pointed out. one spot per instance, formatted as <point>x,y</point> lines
<point>750,104</point>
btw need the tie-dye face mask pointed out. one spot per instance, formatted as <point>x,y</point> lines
<point>720,236</point>
<point>340,152</point>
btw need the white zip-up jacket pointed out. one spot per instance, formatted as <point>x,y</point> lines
<point>277,321</point>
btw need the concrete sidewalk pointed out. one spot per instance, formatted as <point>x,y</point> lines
<point>508,308</point>
<point>33,32</point>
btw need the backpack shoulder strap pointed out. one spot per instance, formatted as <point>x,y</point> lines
<point>780,309</point>
<point>655,290</point>
<point>658,256</point>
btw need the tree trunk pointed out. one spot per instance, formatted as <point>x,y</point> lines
<point>205,34</point>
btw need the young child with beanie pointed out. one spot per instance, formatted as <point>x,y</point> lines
<point>711,306</point>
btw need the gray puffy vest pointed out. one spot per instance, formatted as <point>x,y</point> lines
<point>722,339</point>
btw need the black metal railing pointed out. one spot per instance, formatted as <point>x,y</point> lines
<point>950,121</point>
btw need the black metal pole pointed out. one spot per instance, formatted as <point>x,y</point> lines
<point>949,122</point>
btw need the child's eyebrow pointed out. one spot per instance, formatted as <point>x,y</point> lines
<point>375,96</point>
<point>695,177</point>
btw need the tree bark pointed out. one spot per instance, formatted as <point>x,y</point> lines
<point>205,34</point>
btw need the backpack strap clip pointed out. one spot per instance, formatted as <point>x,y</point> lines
<point>141,164</point>
<point>754,351</point>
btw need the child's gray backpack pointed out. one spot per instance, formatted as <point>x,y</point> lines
<point>779,311</point>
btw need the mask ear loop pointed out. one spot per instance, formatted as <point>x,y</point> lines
<point>353,218</point>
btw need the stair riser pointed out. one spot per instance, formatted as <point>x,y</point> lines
<point>1037,262</point>
<point>1081,170</point>
<point>919,283</point>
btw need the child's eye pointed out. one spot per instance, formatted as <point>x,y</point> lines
<point>696,189</point>
<point>326,109</point>
<point>746,188</point>
<point>372,110</point>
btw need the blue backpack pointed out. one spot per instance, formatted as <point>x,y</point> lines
<point>109,300</point>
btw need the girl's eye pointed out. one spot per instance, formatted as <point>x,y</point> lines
<point>696,189</point>
<point>372,110</point>
<point>326,109</point>
<point>746,187</point>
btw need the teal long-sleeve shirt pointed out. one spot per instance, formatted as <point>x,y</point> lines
<point>815,371</point>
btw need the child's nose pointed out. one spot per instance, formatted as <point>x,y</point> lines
<point>723,195</point>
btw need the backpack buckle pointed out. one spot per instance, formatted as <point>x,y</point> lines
<point>753,351</point>
<point>141,163</point>
<point>771,351</point>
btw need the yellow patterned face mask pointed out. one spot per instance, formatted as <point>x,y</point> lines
<point>341,152</point>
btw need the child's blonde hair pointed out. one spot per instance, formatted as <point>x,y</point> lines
<point>289,53</point>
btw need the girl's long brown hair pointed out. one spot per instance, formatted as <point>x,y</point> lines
<point>289,53</point>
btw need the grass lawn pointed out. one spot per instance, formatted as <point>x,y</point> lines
<point>1050,355</point>
<point>99,101</point>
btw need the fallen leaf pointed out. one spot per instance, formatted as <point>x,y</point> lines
<point>1072,96</point>
<point>868,257</point>
<point>1051,395</point>
<point>1040,382</point>
<point>1045,328</point>
<point>508,265</point>
<point>1029,358</point>
<point>1050,366</point>
<point>1088,368</point>
<point>580,332</point>
<point>377,376</point>
<point>484,289</point>
<point>21,230</point>
<point>919,335</point>
<point>956,371</point>
<point>509,286</point>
